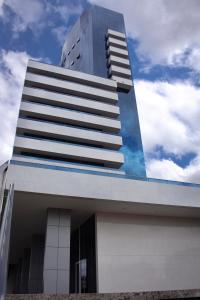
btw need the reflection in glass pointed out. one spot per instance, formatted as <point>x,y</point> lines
<point>81,276</point>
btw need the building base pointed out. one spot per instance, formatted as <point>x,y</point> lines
<point>156,295</point>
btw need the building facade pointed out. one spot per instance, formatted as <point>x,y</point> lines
<point>85,217</point>
<point>97,45</point>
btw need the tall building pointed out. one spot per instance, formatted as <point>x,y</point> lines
<point>85,218</point>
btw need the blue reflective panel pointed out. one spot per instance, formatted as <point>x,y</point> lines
<point>130,132</point>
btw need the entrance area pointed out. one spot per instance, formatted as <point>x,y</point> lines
<point>81,276</point>
<point>36,262</point>
<point>83,258</point>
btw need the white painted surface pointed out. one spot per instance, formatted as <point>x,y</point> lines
<point>118,52</point>
<point>123,82</point>
<point>118,61</point>
<point>69,101</point>
<point>68,133</point>
<point>67,116</point>
<point>68,87</point>
<point>111,41</point>
<point>107,193</point>
<point>57,252</point>
<point>116,34</point>
<point>118,71</point>
<point>69,151</point>
<point>141,253</point>
<point>53,163</point>
<point>67,74</point>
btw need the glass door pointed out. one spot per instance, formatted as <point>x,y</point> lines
<point>81,276</point>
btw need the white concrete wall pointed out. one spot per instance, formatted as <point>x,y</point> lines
<point>66,116</point>
<point>66,151</point>
<point>118,48</point>
<point>118,52</point>
<point>119,71</point>
<point>68,133</point>
<point>57,163</point>
<point>107,193</point>
<point>116,34</point>
<point>123,83</point>
<point>71,75</point>
<point>141,253</point>
<point>111,41</point>
<point>119,61</point>
<point>68,87</point>
<point>72,102</point>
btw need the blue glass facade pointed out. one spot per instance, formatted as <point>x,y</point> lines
<point>85,51</point>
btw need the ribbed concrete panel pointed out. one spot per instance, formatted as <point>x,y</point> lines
<point>68,133</point>
<point>66,116</point>
<point>116,43</point>
<point>66,151</point>
<point>72,102</point>
<point>123,83</point>
<point>67,87</point>
<point>65,164</point>
<point>66,74</point>
<point>116,34</point>
<point>118,61</point>
<point>118,52</point>
<point>115,70</point>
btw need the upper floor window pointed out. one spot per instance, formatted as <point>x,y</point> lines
<point>68,53</point>
<point>73,46</point>
<point>78,40</point>
<point>78,56</point>
<point>72,63</point>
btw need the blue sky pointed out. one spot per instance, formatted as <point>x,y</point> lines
<point>164,45</point>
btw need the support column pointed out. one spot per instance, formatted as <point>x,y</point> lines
<point>57,252</point>
<point>36,264</point>
<point>25,271</point>
<point>18,277</point>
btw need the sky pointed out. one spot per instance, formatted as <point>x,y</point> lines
<point>164,47</point>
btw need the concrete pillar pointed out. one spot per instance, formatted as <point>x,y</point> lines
<point>36,264</point>
<point>57,252</point>
<point>18,277</point>
<point>25,271</point>
<point>11,282</point>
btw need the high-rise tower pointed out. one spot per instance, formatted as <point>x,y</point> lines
<point>85,218</point>
<point>97,45</point>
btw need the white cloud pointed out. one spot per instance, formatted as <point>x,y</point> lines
<point>61,33</point>
<point>66,11</point>
<point>170,114</point>
<point>169,117</point>
<point>193,60</point>
<point>167,169</point>
<point>1,7</point>
<point>12,71</point>
<point>165,29</point>
<point>28,14</point>
<point>37,15</point>
<point>189,59</point>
